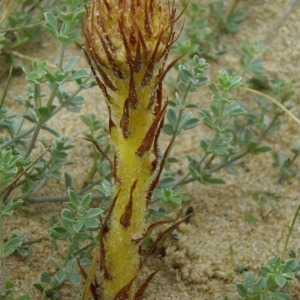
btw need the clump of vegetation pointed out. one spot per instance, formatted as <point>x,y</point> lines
<point>274,278</point>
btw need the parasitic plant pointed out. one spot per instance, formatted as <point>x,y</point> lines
<point>127,45</point>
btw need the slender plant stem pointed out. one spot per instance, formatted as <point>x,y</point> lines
<point>12,29</point>
<point>76,92</point>
<point>62,198</point>
<point>291,229</point>
<point>92,171</point>
<point>5,89</point>
<point>49,103</point>
<point>232,8</point>
<point>29,58</point>
<point>29,131</point>
<point>17,138</point>
<point>175,134</point>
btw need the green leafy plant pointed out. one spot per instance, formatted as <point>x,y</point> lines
<point>229,23</point>
<point>204,25</point>
<point>23,173</point>
<point>274,278</point>
<point>77,226</point>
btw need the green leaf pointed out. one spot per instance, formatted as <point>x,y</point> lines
<point>86,200</point>
<point>30,116</point>
<point>51,23</point>
<point>77,226</point>
<point>279,296</point>
<point>46,112</point>
<point>249,279</point>
<point>79,75</point>
<point>73,197</point>
<point>172,159</point>
<point>212,180</point>
<point>166,182</point>
<point>11,245</point>
<point>92,223</point>
<point>68,181</point>
<point>207,119</point>
<point>74,277</point>
<point>61,276</point>
<point>241,290</point>
<point>168,129</point>
<point>260,149</point>
<point>10,206</point>
<point>94,212</point>
<point>67,215</point>
<point>280,280</point>
<point>59,232</point>
<point>45,277</point>
<point>171,116</point>
<point>234,110</point>
<point>71,63</point>
<point>182,86</point>
<point>191,123</point>
<point>290,266</point>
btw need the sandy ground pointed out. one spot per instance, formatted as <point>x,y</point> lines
<point>201,263</point>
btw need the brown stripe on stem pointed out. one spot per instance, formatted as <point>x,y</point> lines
<point>126,217</point>
<point>99,149</point>
<point>143,43</point>
<point>163,73</point>
<point>109,55</point>
<point>155,144</point>
<point>106,272</point>
<point>99,82</point>
<point>101,24</point>
<point>105,78</point>
<point>149,70</point>
<point>137,64</point>
<point>151,8</point>
<point>106,4</point>
<point>139,295</point>
<point>158,99</point>
<point>156,179</point>
<point>93,56</point>
<point>132,95</point>
<point>111,123</point>
<point>121,5</point>
<point>124,292</point>
<point>132,36</point>
<point>104,227</point>
<point>160,237</point>
<point>104,230</point>
<point>147,26</point>
<point>124,39</point>
<point>114,171</point>
<point>90,46</point>
<point>151,133</point>
<point>124,123</point>
<point>152,226</point>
